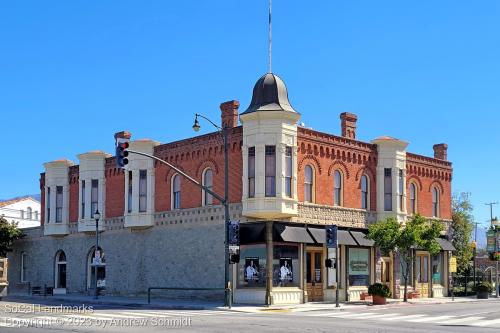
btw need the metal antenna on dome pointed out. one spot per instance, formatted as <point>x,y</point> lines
<point>270,36</point>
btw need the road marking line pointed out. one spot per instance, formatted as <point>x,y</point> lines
<point>459,320</point>
<point>486,322</point>
<point>430,319</point>
<point>404,318</point>
<point>146,314</point>
<point>107,314</point>
<point>382,316</point>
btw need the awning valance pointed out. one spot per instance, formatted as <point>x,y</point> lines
<point>293,234</point>
<point>361,239</point>
<point>446,245</point>
<point>344,237</point>
<point>252,233</point>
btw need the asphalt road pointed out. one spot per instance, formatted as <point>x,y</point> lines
<point>458,317</point>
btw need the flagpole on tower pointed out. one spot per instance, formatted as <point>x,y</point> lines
<point>270,36</point>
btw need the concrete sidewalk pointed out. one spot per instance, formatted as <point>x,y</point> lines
<point>117,301</point>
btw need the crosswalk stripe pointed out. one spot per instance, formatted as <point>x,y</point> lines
<point>428,319</point>
<point>110,315</point>
<point>89,317</point>
<point>340,314</point>
<point>486,322</point>
<point>459,320</point>
<point>142,314</point>
<point>403,318</point>
<point>384,316</point>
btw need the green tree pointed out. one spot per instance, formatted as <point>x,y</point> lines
<point>9,232</point>
<point>402,238</point>
<point>462,227</point>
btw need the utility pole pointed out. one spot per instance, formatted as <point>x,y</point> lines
<point>497,289</point>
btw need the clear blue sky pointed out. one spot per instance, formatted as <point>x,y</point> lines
<point>74,72</point>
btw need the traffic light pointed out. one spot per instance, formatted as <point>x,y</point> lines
<point>121,153</point>
<point>331,236</point>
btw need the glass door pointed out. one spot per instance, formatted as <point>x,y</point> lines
<point>314,274</point>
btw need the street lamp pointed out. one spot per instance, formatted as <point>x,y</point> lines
<point>97,216</point>
<point>225,203</point>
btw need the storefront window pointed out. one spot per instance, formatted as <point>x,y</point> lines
<point>437,269</point>
<point>332,278</point>
<point>422,269</point>
<point>401,269</point>
<point>252,266</point>
<point>286,268</point>
<point>359,267</point>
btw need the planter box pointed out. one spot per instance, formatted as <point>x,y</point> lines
<point>379,300</point>
<point>483,295</point>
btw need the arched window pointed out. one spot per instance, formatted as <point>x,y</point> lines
<point>435,202</point>
<point>308,183</point>
<point>60,270</point>
<point>207,179</point>
<point>413,198</point>
<point>176,191</point>
<point>364,192</point>
<point>96,262</point>
<point>29,213</point>
<point>337,188</point>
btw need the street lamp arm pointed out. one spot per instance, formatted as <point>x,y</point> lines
<point>182,173</point>
<point>211,122</point>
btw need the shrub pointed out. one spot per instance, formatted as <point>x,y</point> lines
<point>378,289</point>
<point>484,287</point>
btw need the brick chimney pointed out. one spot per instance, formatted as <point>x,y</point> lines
<point>441,151</point>
<point>348,124</point>
<point>123,135</point>
<point>229,113</point>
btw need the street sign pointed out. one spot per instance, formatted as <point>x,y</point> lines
<point>453,265</point>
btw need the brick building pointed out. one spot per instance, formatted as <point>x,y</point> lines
<point>286,183</point>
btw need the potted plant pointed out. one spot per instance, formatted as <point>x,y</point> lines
<point>484,289</point>
<point>379,292</point>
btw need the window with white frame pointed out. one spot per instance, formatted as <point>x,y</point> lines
<point>337,188</point>
<point>29,213</point>
<point>401,189</point>
<point>207,179</point>
<point>59,203</point>
<point>288,171</point>
<point>387,189</point>
<point>47,204</point>
<point>83,199</point>
<point>413,198</point>
<point>176,191</point>
<point>251,172</point>
<point>270,165</point>
<point>143,190</point>
<point>308,184</point>
<point>435,202</point>
<point>94,197</point>
<point>364,192</point>
<point>129,193</point>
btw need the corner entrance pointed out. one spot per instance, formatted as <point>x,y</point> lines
<point>314,274</point>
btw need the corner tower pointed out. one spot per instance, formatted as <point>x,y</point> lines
<point>269,151</point>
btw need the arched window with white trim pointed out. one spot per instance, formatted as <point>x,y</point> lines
<point>435,202</point>
<point>365,202</point>
<point>308,184</point>
<point>60,270</point>
<point>29,213</point>
<point>207,180</point>
<point>337,188</point>
<point>176,191</point>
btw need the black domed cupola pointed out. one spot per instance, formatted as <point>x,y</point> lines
<point>269,94</point>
